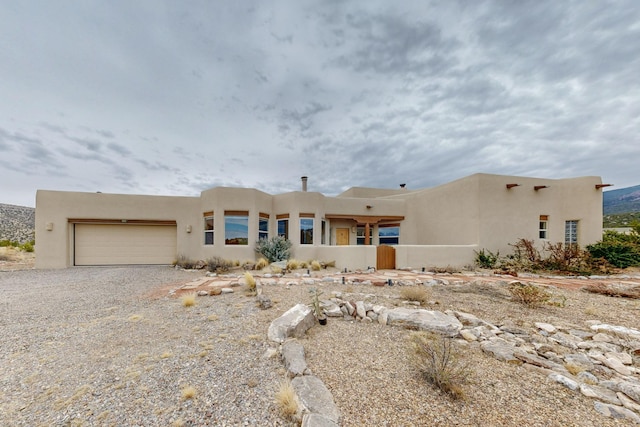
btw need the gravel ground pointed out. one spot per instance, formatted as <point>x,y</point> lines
<point>109,346</point>
<point>86,346</point>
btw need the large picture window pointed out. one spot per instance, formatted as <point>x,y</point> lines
<point>263,227</point>
<point>389,234</point>
<point>236,228</point>
<point>306,229</point>
<point>208,228</point>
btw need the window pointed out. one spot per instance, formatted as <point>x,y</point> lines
<point>236,228</point>
<point>323,238</point>
<point>306,229</point>
<point>389,234</point>
<point>208,228</point>
<point>263,227</point>
<point>360,235</point>
<point>543,226</point>
<point>283,225</point>
<point>571,232</point>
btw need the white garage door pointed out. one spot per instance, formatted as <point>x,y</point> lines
<point>124,244</point>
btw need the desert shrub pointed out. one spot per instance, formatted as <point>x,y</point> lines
<point>5,257</point>
<point>525,255</point>
<point>328,264</point>
<point>315,265</point>
<point>27,247</point>
<point>286,400</point>
<point>416,293</point>
<point>439,362</point>
<point>274,249</point>
<point>567,258</point>
<point>185,262</point>
<point>275,269</point>
<point>303,264</point>
<point>251,283</point>
<point>9,243</point>
<point>528,294</point>
<point>487,259</point>
<point>217,264</point>
<point>613,290</point>
<point>262,263</point>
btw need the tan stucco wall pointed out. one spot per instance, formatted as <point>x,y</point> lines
<point>54,248</point>
<point>473,212</point>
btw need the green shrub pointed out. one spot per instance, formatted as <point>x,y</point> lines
<point>487,259</point>
<point>620,250</point>
<point>274,249</point>
<point>439,362</point>
<point>27,247</point>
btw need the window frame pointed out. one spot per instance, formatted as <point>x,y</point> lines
<point>382,239</point>
<point>208,220</point>
<point>231,217</point>
<point>571,232</point>
<point>283,223</point>
<point>543,227</point>
<point>306,232</point>
<point>263,226</point>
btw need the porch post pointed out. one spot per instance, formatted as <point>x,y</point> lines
<point>367,234</point>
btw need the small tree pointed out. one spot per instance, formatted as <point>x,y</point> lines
<point>274,249</point>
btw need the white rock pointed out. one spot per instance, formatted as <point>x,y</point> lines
<point>565,381</point>
<point>547,327</point>
<point>616,365</point>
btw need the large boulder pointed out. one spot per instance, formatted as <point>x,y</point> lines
<point>292,324</point>
<point>433,321</point>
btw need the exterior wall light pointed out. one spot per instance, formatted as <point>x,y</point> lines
<point>188,229</point>
<point>49,226</point>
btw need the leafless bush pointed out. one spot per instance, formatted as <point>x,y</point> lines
<point>528,294</point>
<point>439,362</point>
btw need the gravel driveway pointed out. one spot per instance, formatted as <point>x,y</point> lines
<point>89,346</point>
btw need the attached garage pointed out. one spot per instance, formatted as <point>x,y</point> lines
<point>130,243</point>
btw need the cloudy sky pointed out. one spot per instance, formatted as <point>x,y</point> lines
<point>174,97</point>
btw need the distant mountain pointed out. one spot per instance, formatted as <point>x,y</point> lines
<point>621,201</point>
<point>17,223</point>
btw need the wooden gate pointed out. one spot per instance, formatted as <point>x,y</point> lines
<point>385,257</point>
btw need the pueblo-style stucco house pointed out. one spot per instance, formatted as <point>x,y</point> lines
<point>362,227</point>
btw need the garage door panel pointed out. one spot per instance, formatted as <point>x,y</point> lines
<point>115,244</point>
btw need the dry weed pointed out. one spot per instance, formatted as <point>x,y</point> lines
<point>528,294</point>
<point>439,362</point>
<point>417,293</point>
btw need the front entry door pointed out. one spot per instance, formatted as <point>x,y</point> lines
<point>342,236</point>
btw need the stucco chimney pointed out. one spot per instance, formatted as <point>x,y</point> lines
<point>304,183</point>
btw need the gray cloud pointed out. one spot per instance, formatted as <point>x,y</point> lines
<point>169,99</point>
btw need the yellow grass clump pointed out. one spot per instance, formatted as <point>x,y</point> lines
<point>315,265</point>
<point>262,263</point>
<point>188,392</point>
<point>188,300</point>
<point>286,400</point>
